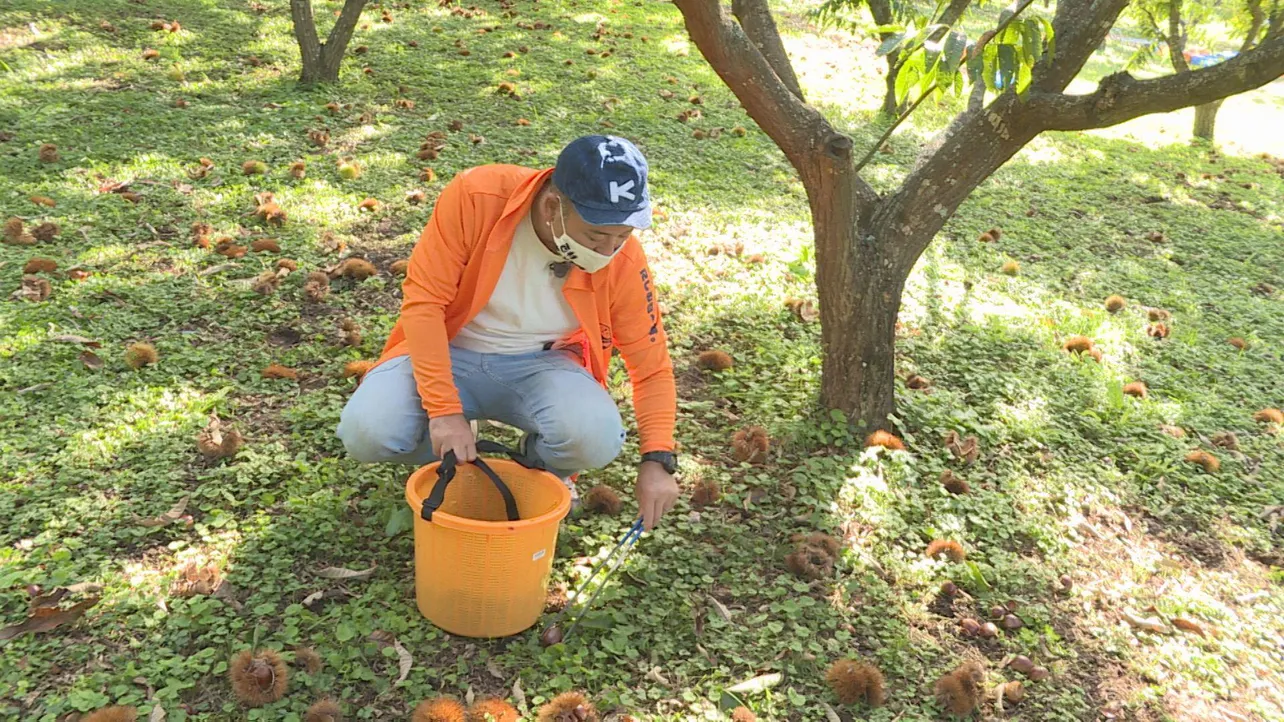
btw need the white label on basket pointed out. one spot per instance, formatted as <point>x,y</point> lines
<point>538,555</point>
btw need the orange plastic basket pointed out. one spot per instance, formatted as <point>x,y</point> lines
<point>477,574</point>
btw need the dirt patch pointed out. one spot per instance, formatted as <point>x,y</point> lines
<point>284,337</point>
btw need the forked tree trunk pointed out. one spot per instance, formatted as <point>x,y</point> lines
<point>867,243</point>
<point>321,61</point>
<point>859,291</point>
<point>1206,119</point>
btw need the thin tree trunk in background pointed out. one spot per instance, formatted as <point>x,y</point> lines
<point>881,10</point>
<point>1206,119</point>
<point>321,61</point>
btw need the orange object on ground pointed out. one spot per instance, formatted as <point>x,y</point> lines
<point>477,574</point>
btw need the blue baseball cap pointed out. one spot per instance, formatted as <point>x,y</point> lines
<point>605,178</point>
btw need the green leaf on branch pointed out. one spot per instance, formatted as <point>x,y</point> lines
<point>910,73</point>
<point>1033,35</point>
<point>890,44</point>
<point>955,45</point>
<point>1007,64</point>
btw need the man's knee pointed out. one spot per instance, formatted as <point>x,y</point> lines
<point>584,437</point>
<point>371,437</point>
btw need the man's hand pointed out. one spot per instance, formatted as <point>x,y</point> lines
<point>452,433</point>
<point>657,493</point>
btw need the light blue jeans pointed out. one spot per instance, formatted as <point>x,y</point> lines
<point>572,421</point>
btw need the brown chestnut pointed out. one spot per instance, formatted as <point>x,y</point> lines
<point>1022,664</point>
<point>551,636</point>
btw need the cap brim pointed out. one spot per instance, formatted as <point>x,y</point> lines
<point>641,218</point>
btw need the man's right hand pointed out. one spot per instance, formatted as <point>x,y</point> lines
<point>452,433</point>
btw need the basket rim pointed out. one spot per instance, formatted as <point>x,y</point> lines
<point>459,523</point>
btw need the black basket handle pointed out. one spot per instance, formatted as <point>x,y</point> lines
<point>447,469</point>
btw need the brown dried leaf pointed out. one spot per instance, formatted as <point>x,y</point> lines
<point>1187,625</point>
<point>341,573</point>
<point>1149,624</point>
<point>174,514</point>
<point>72,338</point>
<point>494,669</point>
<point>45,619</point>
<point>404,661</point>
<point>91,360</point>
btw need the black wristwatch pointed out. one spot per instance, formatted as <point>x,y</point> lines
<point>667,459</point>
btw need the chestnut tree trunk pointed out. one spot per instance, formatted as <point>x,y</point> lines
<point>867,244</point>
<point>321,60</point>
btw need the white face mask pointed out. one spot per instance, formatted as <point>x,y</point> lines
<point>576,252</point>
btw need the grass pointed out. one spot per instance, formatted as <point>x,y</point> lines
<point>1073,478</point>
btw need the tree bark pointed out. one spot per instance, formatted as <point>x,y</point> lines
<point>1121,97</point>
<point>321,61</point>
<point>755,18</point>
<point>1206,119</point>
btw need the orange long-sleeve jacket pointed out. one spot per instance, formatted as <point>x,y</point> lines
<point>453,271</point>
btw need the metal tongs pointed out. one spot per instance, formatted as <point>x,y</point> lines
<point>553,633</point>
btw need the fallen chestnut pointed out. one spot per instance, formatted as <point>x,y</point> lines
<point>551,636</point>
<point>1066,582</point>
<point>989,630</point>
<point>950,589</point>
<point>998,611</point>
<point>970,626</point>
<point>1038,674</point>
<point>1012,622</point>
<point>1022,664</point>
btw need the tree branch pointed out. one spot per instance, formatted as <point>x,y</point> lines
<point>1276,25</point>
<point>341,33</point>
<point>305,27</point>
<point>1121,97</point>
<point>953,12</point>
<point>1176,38</point>
<point>755,18</point>
<point>1255,27</point>
<point>798,129</point>
<point>1080,28</point>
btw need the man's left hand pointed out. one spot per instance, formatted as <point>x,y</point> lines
<point>657,492</point>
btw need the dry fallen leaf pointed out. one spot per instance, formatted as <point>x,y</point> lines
<point>91,360</point>
<point>830,714</point>
<point>494,669</point>
<point>341,573</point>
<point>722,609</point>
<point>174,514</point>
<point>1187,625</point>
<point>47,618</point>
<point>72,338</point>
<point>157,715</point>
<point>519,696</point>
<point>1150,624</point>
<point>404,661</point>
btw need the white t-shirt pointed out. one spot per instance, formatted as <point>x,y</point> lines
<point>527,308</point>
